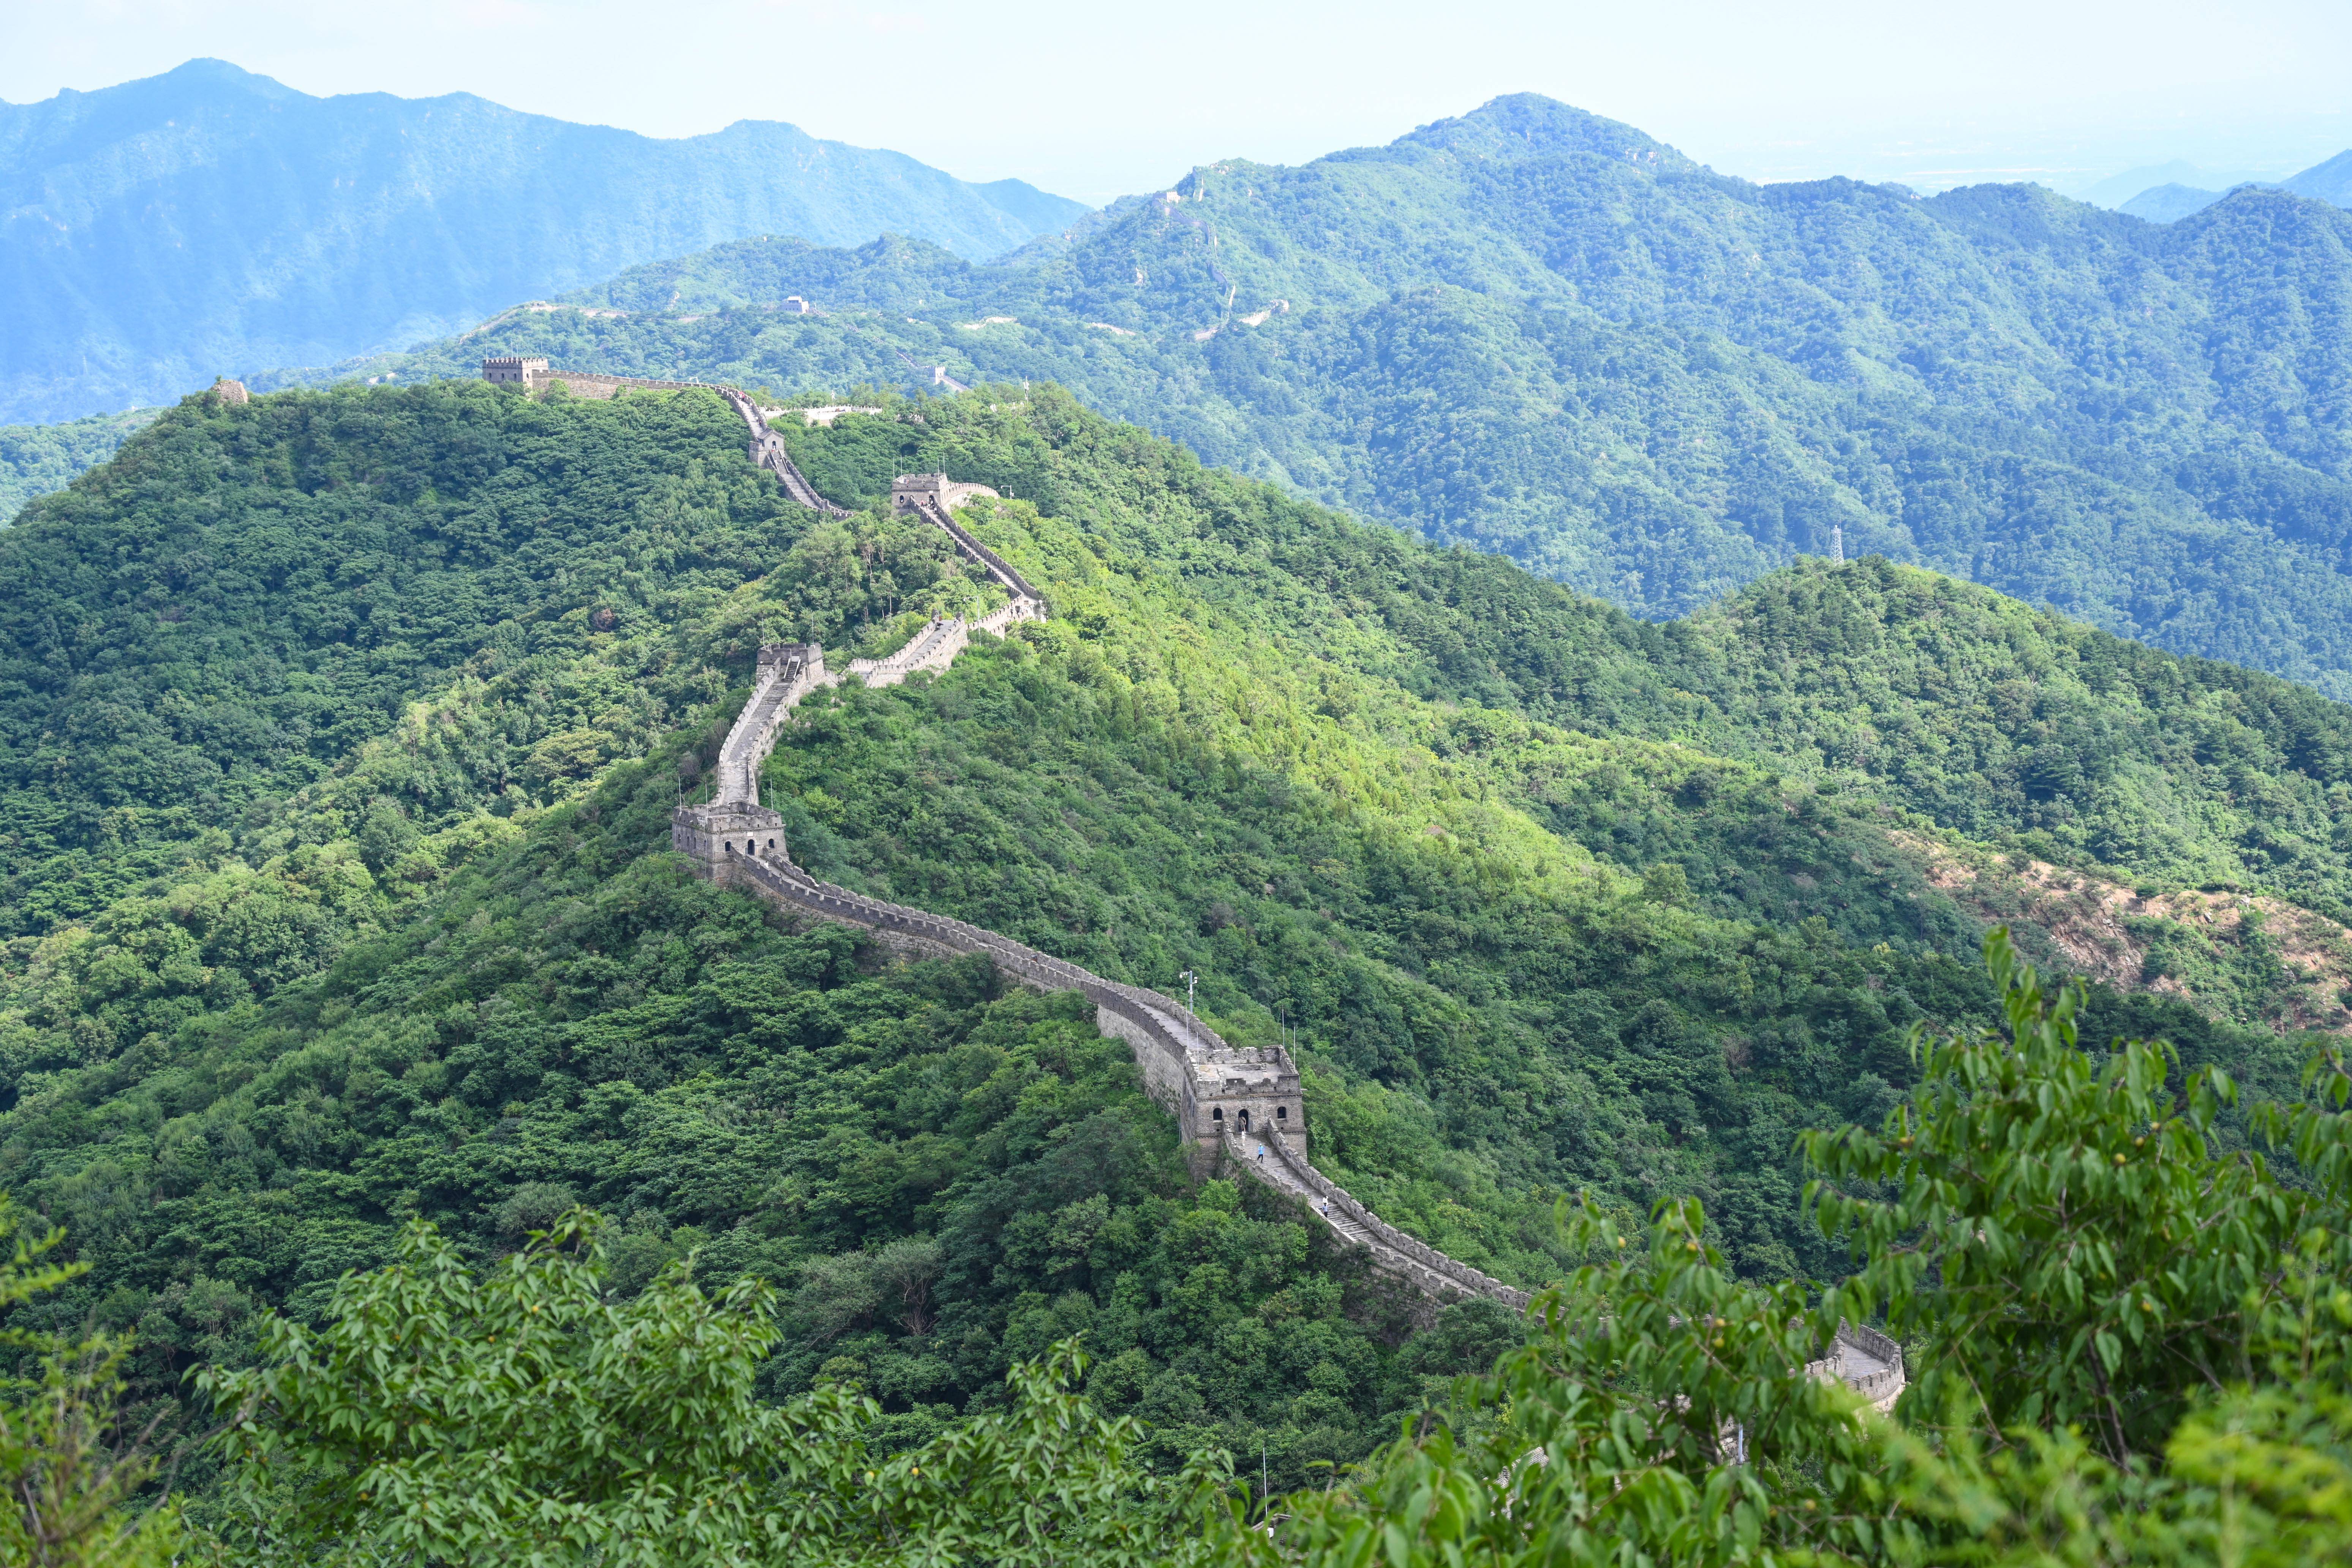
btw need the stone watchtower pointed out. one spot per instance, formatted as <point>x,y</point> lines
<point>725,833</point>
<point>909,492</point>
<point>734,827</point>
<point>1253,1090</point>
<point>516,370</point>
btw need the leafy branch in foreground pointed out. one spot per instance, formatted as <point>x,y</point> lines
<point>68,1473</point>
<point>2068,1234</point>
<point>2129,1347</point>
<point>526,1415</point>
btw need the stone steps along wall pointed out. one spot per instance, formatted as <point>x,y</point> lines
<point>788,672</point>
<point>1174,1048</point>
<point>932,513</point>
<point>937,645</point>
<point>1869,1363</point>
<point>768,450</point>
<point>1293,1172</point>
<point>933,648</point>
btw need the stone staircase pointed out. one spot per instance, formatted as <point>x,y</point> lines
<point>1241,1106</point>
<point>768,452</point>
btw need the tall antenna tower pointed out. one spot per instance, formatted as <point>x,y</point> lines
<point>1837,545</point>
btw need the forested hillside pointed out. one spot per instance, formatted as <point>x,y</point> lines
<point>343,727</point>
<point>38,459</point>
<point>1542,333</point>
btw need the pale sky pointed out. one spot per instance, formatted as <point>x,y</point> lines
<point>1096,99</point>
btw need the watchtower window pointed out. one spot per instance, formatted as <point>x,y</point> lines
<point>731,845</point>
<point>1217,1114</point>
<point>1246,1121</point>
<point>771,844</point>
<point>1281,1113</point>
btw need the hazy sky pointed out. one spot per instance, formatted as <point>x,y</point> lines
<point>1096,99</point>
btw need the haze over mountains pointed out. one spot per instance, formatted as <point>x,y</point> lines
<point>1534,330</point>
<point>1537,331</point>
<point>158,233</point>
<point>2176,197</point>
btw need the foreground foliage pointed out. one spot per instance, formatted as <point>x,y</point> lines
<point>1657,1411</point>
<point>68,1472</point>
<point>2080,1394</point>
<point>528,1415</point>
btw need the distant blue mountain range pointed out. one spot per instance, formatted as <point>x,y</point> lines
<point>209,221</point>
<point>2330,182</point>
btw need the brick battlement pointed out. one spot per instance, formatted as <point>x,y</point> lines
<point>1240,1105</point>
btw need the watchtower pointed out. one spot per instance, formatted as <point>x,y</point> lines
<point>910,492</point>
<point>726,833</point>
<point>1252,1091</point>
<point>515,370</point>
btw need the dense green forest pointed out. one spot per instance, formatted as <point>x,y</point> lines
<point>2126,1344</point>
<point>343,727</point>
<point>1542,333</point>
<point>38,459</point>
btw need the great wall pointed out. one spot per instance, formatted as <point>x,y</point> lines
<point>1240,1105</point>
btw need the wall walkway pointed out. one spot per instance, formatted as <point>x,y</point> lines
<point>1242,1103</point>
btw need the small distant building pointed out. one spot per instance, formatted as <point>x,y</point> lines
<point>516,370</point>
<point>228,391</point>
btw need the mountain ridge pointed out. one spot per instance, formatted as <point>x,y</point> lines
<point>2329,181</point>
<point>1651,381</point>
<point>342,735</point>
<point>290,228</point>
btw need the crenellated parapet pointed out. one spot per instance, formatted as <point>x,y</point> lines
<point>719,833</point>
<point>1241,1106</point>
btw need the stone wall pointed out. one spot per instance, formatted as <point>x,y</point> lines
<point>787,672</point>
<point>1421,1261</point>
<point>933,648</point>
<point>1204,1081</point>
<point>926,505</point>
<point>937,645</point>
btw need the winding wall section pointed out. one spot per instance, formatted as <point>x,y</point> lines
<point>1240,1103</point>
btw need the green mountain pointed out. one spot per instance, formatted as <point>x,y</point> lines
<point>1540,333</point>
<point>2328,182</point>
<point>341,731</point>
<point>210,222</point>
<point>2164,203</point>
<point>38,459</point>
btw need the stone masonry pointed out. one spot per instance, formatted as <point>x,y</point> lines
<point>1238,1104</point>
